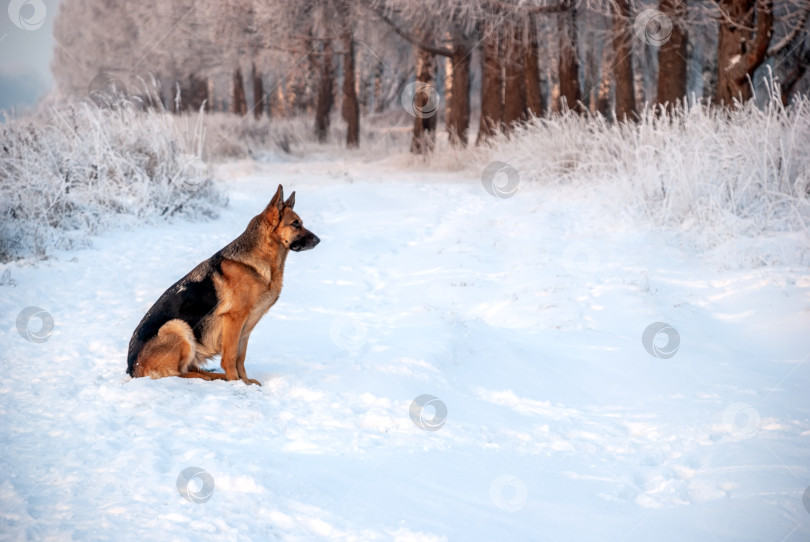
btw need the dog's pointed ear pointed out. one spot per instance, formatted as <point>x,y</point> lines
<point>278,200</point>
<point>290,201</point>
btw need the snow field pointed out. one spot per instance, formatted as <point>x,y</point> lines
<point>522,316</point>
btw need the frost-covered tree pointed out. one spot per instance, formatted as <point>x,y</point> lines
<point>500,61</point>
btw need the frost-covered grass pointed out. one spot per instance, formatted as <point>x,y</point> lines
<point>721,174</point>
<point>234,137</point>
<point>70,172</point>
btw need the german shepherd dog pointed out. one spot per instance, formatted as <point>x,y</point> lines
<point>213,309</point>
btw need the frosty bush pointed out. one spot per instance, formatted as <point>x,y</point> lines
<point>231,136</point>
<point>725,173</point>
<point>73,171</point>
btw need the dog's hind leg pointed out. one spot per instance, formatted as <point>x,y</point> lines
<point>169,353</point>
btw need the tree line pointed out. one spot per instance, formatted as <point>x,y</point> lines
<point>497,61</point>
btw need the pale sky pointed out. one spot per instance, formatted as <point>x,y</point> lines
<point>26,47</point>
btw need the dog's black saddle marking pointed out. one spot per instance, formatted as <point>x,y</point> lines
<point>191,299</point>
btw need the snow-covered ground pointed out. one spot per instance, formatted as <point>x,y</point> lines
<point>522,318</point>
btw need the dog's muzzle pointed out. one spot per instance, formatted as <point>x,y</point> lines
<point>305,242</point>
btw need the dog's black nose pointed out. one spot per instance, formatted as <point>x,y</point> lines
<point>305,242</point>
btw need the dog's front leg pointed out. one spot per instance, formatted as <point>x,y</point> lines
<point>231,330</point>
<point>240,362</point>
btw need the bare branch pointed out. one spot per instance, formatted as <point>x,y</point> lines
<point>788,39</point>
<point>759,50</point>
<point>564,5</point>
<point>411,38</point>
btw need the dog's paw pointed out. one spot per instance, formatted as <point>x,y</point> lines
<point>249,381</point>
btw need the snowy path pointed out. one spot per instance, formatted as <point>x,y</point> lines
<point>523,316</point>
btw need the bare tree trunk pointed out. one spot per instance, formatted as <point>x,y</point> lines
<point>623,62</point>
<point>350,107</point>
<point>424,122</point>
<point>602,104</point>
<point>672,63</point>
<point>325,93</point>
<point>273,100</point>
<point>379,99</point>
<point>491,87</point>
<point>239,101</point>
<point>570,90</point>
<point>531,66</point>
<point>458,94</point>
<point>740,51</point>
<point>306,91</point>
<point>514,96</point>
<point>278,100</point>
<point>197,93</point>
<point>644,73</point>
<point>792,78</point>
<point>590,72</point>
<point>258,93</point>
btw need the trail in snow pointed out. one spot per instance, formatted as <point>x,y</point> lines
<point>522,316</point>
